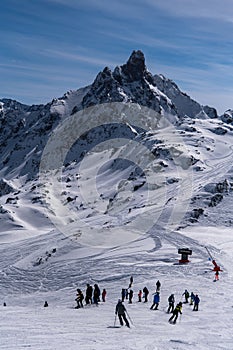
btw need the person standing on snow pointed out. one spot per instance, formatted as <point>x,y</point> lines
<point>158,285</point>
<point>79,298</point>
<point>120,311</point>
<point>140,296</point>
<point>123,295</point>
<point>196,302</point>
<point>126,293</point>
<point>145,292</point>
<point>104,295</point>
<point>130,296</point>
<point>192,297</point>
<point>171,301</point>
<point>96,296</point>
<point>89,292</point>
<point>186,295</point>
<point>156,301</point>
<point>131,282</point>
<point>178,309</point>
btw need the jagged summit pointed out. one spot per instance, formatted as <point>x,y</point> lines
<point>135,68</point>
<point>130,82</point>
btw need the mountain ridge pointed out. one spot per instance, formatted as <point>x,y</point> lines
<point>200,134</point>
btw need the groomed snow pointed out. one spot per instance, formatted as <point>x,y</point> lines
<point>25,323</point>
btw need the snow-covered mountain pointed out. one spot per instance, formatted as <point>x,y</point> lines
<point>25,131</point>
<point>108,181</point>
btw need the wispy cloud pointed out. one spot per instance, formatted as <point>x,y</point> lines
<point>76,57</point>
<point>209,9</point>
<point>213,86</point>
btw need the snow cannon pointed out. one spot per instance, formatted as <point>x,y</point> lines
<point>216,266</point>
<point>185,252</point>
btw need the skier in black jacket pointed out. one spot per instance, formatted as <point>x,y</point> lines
<point>120,311</point>
<point>196,302</point>
<point>89,292</point>
<point>146,292</point>
<point>79,298</point>
<point>96,294</point>
<point>130,296</point>
<point>171,301</point>
<point>158,285</point>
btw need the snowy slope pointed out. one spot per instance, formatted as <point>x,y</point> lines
<point>115,199</point>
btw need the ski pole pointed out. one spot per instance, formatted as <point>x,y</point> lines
<point>115,321</point>
<point>129,317</point>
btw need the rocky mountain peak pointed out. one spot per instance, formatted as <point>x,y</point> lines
<point>135,67</point>
<point>102,77</point>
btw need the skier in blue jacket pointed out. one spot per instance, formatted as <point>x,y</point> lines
<point>196,302</point>
<point>156,301</point>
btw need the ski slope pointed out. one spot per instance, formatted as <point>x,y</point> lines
<point>25,323</point>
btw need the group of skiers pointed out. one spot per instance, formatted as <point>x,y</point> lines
<point>194,299</point>
<point>92,296</point>
<point>121,310</point>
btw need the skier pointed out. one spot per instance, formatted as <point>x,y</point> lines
<point>171,301</point>
<point>89,292</point>
<point>178,309</point>
<point>45,304</point>
<point>140,296</point>
<point>192,297</point>
<point>196,302</point>
<point>96,296</point>
<point>156,301</point>
<point>130,296</point>
<point>186,295</point>
<point>79,299</point>
<point>123,294</point>
<point>131,282</point>
<point>126,293</point>
<point>145,292</point>
<point>120,311</point>
<point>158,285</point>
<point>104,295</point>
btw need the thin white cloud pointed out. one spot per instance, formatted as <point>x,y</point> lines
<point>114,8</point>
<point>209,9</point>
<point>89,59</point>
<point>206,86</point>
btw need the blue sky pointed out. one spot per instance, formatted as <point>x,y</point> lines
<point>51,46</point>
